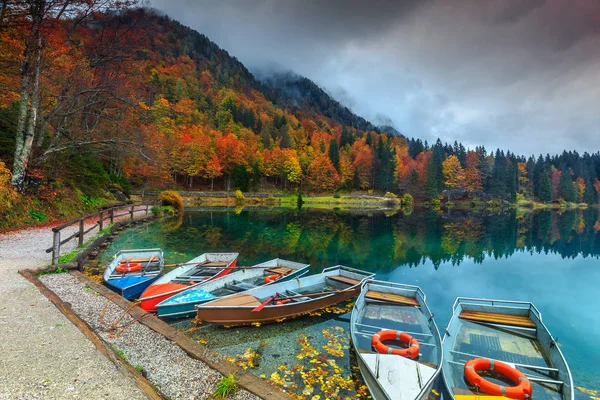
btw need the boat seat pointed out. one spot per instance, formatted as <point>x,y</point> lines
<point>297,299</point>
<point>503,319</point>
<point>392,298</point>
<point>140,260</point>
<point>280,270</point>
<point>239,299</point>
<point>215,264</point>
<point>239,286</point>
<point>344,279</point>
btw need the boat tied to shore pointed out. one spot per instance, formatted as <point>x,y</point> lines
<point>397,342</point>
<point>498,348</point>
<point>201,269</point>
<point>132,271</point>
<point>267,273</point>
<point>281,300</point>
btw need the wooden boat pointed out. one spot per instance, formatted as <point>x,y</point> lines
<point>510,338</point>
<point>277,270</point>
<point>285,299</point>
<point>201,269</point>
<point>384,315</point>
<point>132,271</point>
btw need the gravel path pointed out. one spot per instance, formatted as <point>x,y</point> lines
<point>42,354</point>
<point>168,367</point>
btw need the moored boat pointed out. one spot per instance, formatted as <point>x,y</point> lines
<point>397,343</point>
<point>502,348</point>
<point>267,273</point>
<point>283,300</point>
<point>132,271</point>
<point>201,269</point>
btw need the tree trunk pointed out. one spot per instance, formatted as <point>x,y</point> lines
<point>212,181</point>
<point>29,102</point>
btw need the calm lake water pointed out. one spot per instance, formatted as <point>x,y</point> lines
<point>548,258</point>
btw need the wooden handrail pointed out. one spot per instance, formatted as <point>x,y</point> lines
<point>105,212</point>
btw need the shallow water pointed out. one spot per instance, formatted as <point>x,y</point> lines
<point>548,258</point>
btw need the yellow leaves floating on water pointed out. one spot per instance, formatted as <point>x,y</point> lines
<point>202,341</point>
<point>256,324</point>
<point>276,378</point>
<point>317,375</point>
<point>594,394</point>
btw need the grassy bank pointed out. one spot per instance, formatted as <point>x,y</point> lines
<point>28,210</point>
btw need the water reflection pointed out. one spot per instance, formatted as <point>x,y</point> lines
<point>547,257</point>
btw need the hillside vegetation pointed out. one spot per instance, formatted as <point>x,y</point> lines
<point>110,99</point>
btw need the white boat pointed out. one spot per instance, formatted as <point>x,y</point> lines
<point>385,315</point>
<point>509,341</point>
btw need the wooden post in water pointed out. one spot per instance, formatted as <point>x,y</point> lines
<point>101,220</point>
<point>56,247</point>
<point>146,209</point>
<point>81,229</point>
<point>131,212</point>
<point>112,215</point>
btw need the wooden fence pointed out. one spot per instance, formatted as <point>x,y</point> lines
<point>103,214</point>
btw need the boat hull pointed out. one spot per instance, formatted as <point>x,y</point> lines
<point>185,310</point>
<point>132,292</point>
<point>236,316</point>
<point>160,291</point>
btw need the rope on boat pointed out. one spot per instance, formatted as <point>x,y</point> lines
<point>114,330</point>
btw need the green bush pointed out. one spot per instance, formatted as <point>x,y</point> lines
<point>390,195</point>
<point>156,211</point>
<point>239,196</point>
<point>407,200</point>
<point>37,216</point>
<point>225,387</point>
<point>336,196</point>
<point>172,199</point>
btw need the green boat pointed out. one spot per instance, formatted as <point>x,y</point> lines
<point>277,270</point>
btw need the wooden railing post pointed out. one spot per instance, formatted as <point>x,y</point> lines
<point>101,220</point>
<point>112,215</point>
<point>146,209</point>
<point>131,212</point>
<point>56,247</point>
<point>81,230</point>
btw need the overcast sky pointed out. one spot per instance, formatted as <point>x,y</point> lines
<point>522,75</point>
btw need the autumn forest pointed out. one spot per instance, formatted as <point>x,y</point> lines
<point>95,96</point>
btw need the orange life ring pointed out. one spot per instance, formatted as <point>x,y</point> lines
<point>127,267</point>
<point>522,391</point>
<point>271,278</point>
<point>412,351</point>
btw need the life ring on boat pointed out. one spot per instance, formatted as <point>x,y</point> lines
<point>522,391</point>
<point>412,351</point>
<point>127,267</point>
<point>271,278</point>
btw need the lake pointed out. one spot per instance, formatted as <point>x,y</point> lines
<point>549,258</point>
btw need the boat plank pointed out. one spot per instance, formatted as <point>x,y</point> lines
<point>280,270</point>
<point>344,279</point>
<point>392,298</point>
<point>140,260</point>
<point>216,264</point>
<point>240,299</point>
<point>504,319</point>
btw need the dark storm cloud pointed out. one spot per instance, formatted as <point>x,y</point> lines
<point>516,74</point>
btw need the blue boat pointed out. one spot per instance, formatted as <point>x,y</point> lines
<point>132,271</point>
<point>277,270</point>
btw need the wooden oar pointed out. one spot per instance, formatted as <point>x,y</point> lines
<point>259,308</point>
<point>270,299</point>
<point>208,266</point>
<point>314,294</point>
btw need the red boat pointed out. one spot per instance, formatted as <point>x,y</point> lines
<point>201,269</point>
